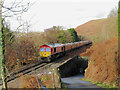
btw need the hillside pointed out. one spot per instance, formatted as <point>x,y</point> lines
<point>103,62</point>
<point>97,30</point>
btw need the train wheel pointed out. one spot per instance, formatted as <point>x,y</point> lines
<point>48,59</point>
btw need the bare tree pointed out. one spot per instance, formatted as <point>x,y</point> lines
<point>15,7</point>
<point>113,13</point>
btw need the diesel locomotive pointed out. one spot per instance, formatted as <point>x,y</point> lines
<point>49,52</point>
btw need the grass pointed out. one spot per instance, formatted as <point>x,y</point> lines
<point>84,57</point>
<point>45,78</point>
<point>64,85</point>
<point>104,85</point>
<point>95,39</point>
<point>118,78</point>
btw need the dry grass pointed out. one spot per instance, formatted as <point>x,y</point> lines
<point>103,62</point>
<point>99,30</point>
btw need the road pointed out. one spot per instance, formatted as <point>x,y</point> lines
<point>77,82</point>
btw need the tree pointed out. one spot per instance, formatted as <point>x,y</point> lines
<point>119,42</point>
<point>16,8</point>
<point>113,13</point>
<point>73,34</point>
<point>9,36</point>
<point>61,37</point>
<point>2,50</point>
<point>5,35</point>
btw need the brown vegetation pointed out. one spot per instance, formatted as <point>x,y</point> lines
<point>19,53</point>
<point>24,49</point>
<point>103,61</point>
<point>36,81</point>
<point>98,30</point>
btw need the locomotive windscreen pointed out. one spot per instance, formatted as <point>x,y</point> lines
<point>47,49</point>
<point>42,49</point>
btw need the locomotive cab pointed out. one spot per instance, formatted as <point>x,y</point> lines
<point>45,51</point>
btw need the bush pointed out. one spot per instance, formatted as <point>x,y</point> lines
<point>21,52</point>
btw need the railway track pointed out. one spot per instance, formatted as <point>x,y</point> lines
<point>29,69</point>
<point>23,71</point>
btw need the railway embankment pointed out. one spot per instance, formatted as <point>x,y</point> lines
<point>73,66</point>
<point>50,77</point>
<point>45,76</point>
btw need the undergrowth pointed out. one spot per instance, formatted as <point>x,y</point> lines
<point>102,85</point>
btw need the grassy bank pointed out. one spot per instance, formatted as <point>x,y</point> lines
<point>102,85</point>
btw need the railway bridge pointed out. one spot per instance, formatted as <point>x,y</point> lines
<point>64,65</point>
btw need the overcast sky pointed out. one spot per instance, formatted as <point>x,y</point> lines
<point>67,13</point>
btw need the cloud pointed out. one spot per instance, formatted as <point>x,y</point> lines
<point>79,1</point>
<point>80,9</point>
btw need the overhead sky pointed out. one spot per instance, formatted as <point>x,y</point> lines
<point>67,13</point>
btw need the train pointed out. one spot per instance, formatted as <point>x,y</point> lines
<point>49,52</point>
